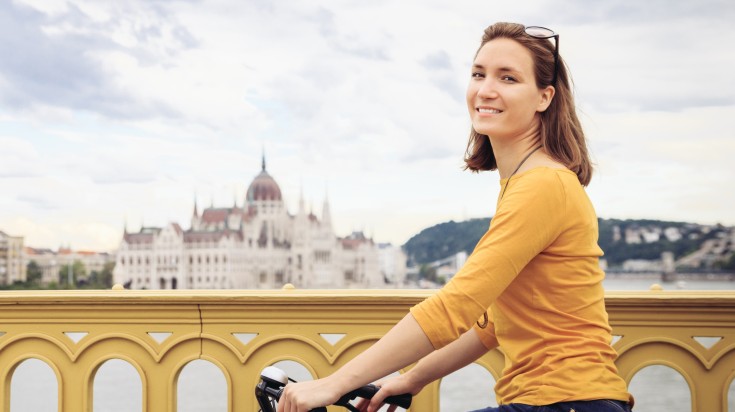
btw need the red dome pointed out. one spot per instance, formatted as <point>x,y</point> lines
<point>263,187</point>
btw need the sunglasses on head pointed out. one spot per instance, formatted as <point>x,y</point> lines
<point>544,33</point>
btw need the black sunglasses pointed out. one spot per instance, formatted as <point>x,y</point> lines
<point>544,33</point>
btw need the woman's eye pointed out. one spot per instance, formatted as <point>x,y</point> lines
<point>508,79</point>
<point>477,75</point>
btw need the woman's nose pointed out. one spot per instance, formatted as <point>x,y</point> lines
<point>488,89</point>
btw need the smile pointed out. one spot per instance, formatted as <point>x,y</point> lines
<point>489,111</point>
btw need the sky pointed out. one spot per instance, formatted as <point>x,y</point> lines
<point>123,114</point>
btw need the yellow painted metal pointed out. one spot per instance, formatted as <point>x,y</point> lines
<point>656,328</point>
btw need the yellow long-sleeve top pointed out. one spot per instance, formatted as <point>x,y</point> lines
<point>537,271</point>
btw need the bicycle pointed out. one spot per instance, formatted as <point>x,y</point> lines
<point>272,381</point>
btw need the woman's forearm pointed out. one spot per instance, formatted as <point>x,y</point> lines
<point>448,359</point>
<point>404,344</point>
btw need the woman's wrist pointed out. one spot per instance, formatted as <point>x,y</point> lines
<point>342,381</point>
<point>415,379</point>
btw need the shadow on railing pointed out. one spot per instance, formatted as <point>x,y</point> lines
<point>159,332</point>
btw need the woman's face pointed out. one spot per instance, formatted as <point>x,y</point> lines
<point>502,96</point>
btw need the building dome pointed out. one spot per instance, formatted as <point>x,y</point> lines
<point>263,187</point>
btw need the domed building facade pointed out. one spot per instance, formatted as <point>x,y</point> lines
<point>258,245</point>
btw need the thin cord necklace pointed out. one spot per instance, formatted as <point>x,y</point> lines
<point>517,168</point>
<point>485,319</point>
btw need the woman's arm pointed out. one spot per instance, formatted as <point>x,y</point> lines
<point>436,365</point>
<point>404,344</point>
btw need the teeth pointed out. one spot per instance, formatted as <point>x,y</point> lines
<point>493,111</point>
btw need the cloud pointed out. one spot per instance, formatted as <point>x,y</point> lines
<point>53,59</point>
<point>439,60</point>
<point>38,202</point>
<point>18,159</point>
<point>134,106</point>
<point>631,12</point>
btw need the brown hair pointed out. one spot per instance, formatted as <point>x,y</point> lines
<point>561,134</point>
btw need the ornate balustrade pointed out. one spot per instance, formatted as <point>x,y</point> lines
<point>159,332</point>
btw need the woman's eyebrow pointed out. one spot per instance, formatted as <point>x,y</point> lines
<point>503,69</point>
<point>507,69</point>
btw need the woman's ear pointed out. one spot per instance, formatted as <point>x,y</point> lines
<point>546,96</point>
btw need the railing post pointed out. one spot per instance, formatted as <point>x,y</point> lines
<point>708,396</point>
<point>428,399</point>
<point>158,391</point>
<point>74,390</point>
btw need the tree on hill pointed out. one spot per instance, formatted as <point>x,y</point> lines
<point>618,251</point>
<point>445,239</point>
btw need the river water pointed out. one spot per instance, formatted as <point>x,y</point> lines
<point>202,386</point>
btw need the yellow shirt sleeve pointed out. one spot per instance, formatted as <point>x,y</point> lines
<point>529,217</point>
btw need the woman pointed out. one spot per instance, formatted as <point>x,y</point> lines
<point>533,280</point>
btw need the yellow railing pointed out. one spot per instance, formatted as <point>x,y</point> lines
<point>656,328</point>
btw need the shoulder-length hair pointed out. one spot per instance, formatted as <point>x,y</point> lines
<point>561,134</point>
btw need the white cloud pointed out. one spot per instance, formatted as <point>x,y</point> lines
<point>667,165</point>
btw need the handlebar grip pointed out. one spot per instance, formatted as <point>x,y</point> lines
<point>368,391</point>
<point>403,400</point>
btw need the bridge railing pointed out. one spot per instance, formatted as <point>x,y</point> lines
<point>160,332</point>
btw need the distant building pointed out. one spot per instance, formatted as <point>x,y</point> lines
<point>632,236</point>
<point>258,245</point>
<point>12,268</point>
<point>642,265</point>
<point>51,262</point>
<point>445,268</point>
<point>672,234</point>
<point>449,266</point>
<point>392,263</point>
<point>651,234</point>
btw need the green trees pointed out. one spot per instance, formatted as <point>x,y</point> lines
<point>445,239</point>
<point>70,275</point>
<point>34,274</point>
<point>653,238</point>
<point>80,279</point>
<point>103,278</point>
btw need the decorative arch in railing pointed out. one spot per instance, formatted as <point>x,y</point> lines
<point>7,373</point>
<point>693,335</point>
<point>473,384</point>
<point>199,392</point>
<point>728,391</point>
<point>99,370</point>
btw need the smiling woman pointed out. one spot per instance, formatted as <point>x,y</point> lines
<point>531,65</point>
<point>533,285</point>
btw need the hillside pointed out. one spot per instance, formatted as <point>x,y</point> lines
<point>708,246</point>
<point>444,239</point>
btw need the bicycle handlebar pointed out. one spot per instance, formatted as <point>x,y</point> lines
<point>273,380</point>
<point>369,390</point>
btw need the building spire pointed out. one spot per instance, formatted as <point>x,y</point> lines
<point>263,158</point>
<point>196,210</point>
<point>326,213</point>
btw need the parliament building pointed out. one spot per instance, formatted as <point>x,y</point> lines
<point>258,245</point>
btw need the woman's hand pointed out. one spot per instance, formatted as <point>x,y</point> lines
<point>396,385</point>
<point>305,396</point>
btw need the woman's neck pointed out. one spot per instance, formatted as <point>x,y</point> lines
<point>510,152</point>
